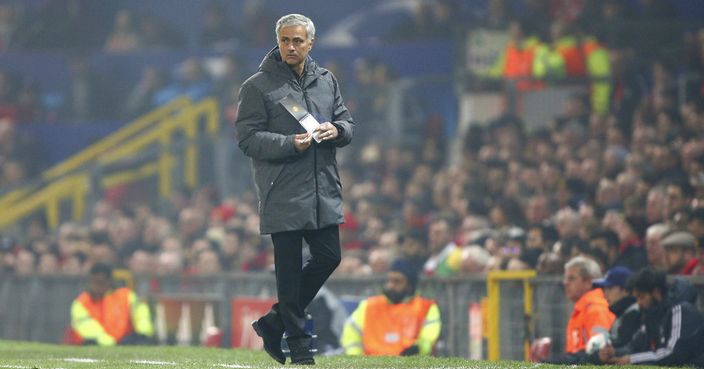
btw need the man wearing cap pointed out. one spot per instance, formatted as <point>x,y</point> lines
<point>621,303</point>
<point>398,322</point>
<point>680,252</point>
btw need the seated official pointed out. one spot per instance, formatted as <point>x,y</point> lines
<point>673,328</point>
<point>399,322</point>
<point>105,316</point>
<point>622,304</point>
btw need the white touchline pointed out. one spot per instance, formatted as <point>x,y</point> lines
<point>80,360</point>
<point>14,366</point>
<point>233,366</point>
<point>152,362</point>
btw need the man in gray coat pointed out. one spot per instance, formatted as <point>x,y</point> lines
<point>298,184</point>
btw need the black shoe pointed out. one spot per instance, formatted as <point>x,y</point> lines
<point>306,361</point>
<point>300,351</point>
<point>272,341</point>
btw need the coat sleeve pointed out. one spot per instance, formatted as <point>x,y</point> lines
<point>87,327</point>
<point>351,339</point>
<point>430,332</point>
<point>251,129</point>
<point>141,318</point>
<point>674,351</point>
<point>598,319</point>
<point>342,118</point>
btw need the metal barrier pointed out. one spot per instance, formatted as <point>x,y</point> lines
<point>37,308</point>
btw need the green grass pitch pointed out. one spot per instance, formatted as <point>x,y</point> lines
<point>24,355</point>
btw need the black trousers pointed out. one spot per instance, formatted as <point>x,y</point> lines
<point>297,284</point>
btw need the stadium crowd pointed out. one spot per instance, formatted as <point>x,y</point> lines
<point>623,184</point>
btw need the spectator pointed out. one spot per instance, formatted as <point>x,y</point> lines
<point>106,316</point>
<point>9,25</point>
<point>403,322</point>
<point>88,98</point>
<point>631,252</point>
<point>124,35</point>
<point>654,248</point>
<point>680,252</point>
<point>695,226</point>
<point>218,33</point>
<point>25,262</point>
<point>191,80</point>
<point>473,260</point>
<point>441,247</point>
<point>141,99</point>
<point>380,260</point>
<point>154,34</point>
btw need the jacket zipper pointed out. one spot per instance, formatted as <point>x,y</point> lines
<point>315,162</point>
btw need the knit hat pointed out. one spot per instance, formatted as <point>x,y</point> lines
<point>409,270</point>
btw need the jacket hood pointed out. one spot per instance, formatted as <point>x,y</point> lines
<point>272,63</point>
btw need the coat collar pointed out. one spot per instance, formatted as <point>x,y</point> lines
<point>272,63</point>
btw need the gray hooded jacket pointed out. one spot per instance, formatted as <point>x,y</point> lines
<point>297,191</point>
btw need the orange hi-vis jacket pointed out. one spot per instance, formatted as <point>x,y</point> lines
<point>396,326</point>
<point>590,316</point>
<point>573,56</point>
<point>518,65</point>
<point>110,318</point>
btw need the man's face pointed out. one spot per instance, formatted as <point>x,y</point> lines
<point>655,251</point>
<point>614,293</point>
<point>294,45</point>
<point>674,257</point>
<point>675,199</point>
<point>439,236</point>
<point>99,284</point>
<point>534,240</point>
<point>396,282</point>
<point>644,299</point>
<point>575,285</point>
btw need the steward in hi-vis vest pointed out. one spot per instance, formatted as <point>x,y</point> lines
<point>108,317</point>
<point>399,322</point>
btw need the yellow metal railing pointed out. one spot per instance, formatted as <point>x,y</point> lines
<point>155,128</point>
<point>494,307</point>
<point>91,152</point>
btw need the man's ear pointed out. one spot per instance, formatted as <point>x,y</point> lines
<point>310,46</point>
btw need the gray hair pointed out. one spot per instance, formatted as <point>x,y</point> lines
<point>588,268</point>
<point>296,20</point>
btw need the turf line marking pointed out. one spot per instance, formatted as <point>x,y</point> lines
<point>80,360</point>
<point>14,366</point>
<point>233,366</point>
<point>152,362</point>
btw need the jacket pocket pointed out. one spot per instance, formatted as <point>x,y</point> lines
<point>267,175</point>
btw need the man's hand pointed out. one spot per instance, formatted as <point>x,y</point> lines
<point>302,141</point>
<point>327,131</point>
<point>410,351</point>
<point>606,354</point>
<point>623,360</point>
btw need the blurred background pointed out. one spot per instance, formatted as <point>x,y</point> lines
<point>491,135</point>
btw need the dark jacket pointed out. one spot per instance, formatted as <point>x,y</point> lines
<point>297,191</point>
<point>627,323</point>
<point>672,335</point>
